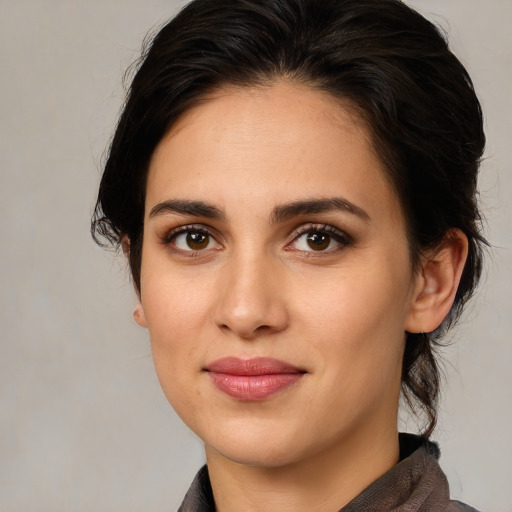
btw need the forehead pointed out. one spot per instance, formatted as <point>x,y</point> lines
<point>273,141</point>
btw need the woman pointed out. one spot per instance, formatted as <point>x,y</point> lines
<point>293,183</point>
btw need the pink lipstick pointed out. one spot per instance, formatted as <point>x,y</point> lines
<point>252,379</point>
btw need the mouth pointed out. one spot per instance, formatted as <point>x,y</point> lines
<point>252,379</point>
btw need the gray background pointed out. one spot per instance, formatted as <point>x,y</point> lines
<point>83,423</point>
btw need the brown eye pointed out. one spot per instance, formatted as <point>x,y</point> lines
<point>191,240</point>
<point>197,241</point>
<point>318,241</point>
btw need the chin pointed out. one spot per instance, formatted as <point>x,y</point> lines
<point>269,446</point>
<point>256,455</point>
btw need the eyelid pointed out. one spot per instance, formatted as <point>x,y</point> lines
<point>340,236</point>
<point>168,237</point>
<point>171,233</point>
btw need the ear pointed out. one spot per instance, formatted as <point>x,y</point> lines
<point>437,283</point>
<point>139,316</point>
<point>125,246</point>
<point>138,312</point>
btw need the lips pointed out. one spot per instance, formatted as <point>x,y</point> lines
<point>252,379</point>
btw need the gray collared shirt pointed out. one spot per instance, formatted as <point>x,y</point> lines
<point>415,484</point>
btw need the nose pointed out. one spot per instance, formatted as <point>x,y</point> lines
<point>251,300</point>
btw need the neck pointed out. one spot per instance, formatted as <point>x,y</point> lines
<point>324,482</point>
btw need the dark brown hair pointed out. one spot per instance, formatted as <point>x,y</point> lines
<point>388,61</point>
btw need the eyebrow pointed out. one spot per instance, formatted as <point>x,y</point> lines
<point>185,207</point>
<point>311,206</point>
<point>279,214</point>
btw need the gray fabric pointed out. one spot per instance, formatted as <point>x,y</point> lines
<point>415,484</point>
<point>199,497</point>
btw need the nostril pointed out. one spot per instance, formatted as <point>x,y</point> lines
<point>248,333</point>
<point>249,312</point>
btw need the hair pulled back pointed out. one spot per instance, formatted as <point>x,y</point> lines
<point>389,62</point>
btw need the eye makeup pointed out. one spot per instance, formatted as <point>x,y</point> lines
<point>319,238</point>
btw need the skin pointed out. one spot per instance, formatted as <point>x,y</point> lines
<point>258,289</point>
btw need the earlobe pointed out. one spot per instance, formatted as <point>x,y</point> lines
<point>437,283</point>
<point>139,315</point>
<point>138,312</point>
<point>125,246</point>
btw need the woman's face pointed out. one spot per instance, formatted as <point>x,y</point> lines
<point>276,280</point>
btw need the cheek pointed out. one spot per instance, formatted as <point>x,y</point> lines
<point>174,324</point>
<point>175,300</point>
<point>177,310</point>
<point>359,321</point>
<point>359,296</point>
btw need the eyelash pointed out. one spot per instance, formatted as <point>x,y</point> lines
<point>169,238</point>
<point>340,237</point>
